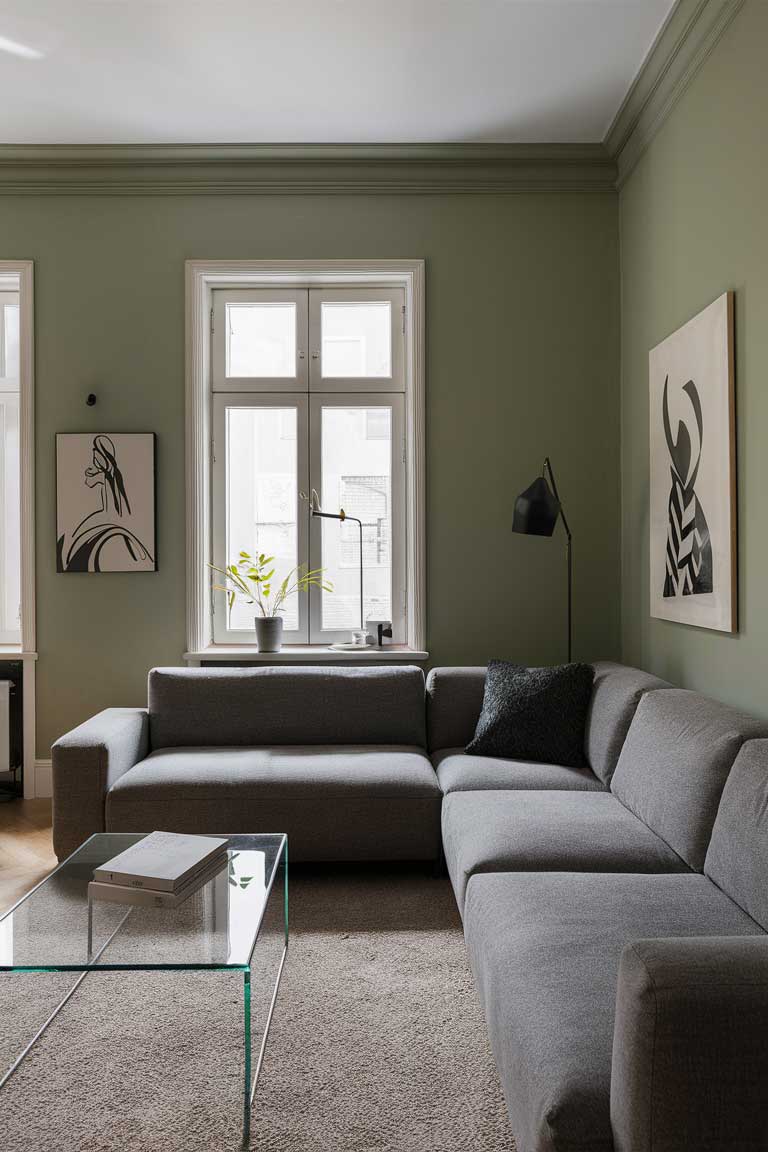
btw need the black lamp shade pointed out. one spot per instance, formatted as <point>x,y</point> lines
<point>536,510</point>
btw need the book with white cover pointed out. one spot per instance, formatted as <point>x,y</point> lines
<point>162,861</point>
<point>151,897</point>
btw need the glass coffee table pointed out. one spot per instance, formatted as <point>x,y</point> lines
<point>54,928</point>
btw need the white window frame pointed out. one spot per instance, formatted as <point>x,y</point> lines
<point>224,383</point>
<point>392,383</point>
<point>202,278</point>
<point>19,274</point>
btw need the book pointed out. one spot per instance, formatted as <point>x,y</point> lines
<point>152,897</point>
<point>162,861</point>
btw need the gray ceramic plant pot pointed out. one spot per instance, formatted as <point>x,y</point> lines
<point>269,633</point>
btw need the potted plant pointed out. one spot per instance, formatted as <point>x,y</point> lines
<point>251,578</point>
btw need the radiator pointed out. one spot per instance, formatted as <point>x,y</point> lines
<point>5,725</point>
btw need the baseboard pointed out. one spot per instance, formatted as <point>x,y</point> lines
<point>43,778</point>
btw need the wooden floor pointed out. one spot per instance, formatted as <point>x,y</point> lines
<point>26,849</point>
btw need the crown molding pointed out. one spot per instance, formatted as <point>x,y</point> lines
<point>686,40</point>
<point>328,169</point>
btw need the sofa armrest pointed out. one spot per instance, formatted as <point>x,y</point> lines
<point>690,1047</point>
<point>454,703</point>
<point>86,763</point>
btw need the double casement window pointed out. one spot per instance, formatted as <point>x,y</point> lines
<point>308,394</point>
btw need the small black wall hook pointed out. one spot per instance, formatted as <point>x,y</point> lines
<point>90,399</point>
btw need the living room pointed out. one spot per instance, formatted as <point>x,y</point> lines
<point>382,411</point>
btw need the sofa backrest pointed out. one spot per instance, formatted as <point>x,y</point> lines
<point>454,703</point>
<point>455,699</point>
<point>676,758</point>
<point>205,707</point>
<point>616,693</point>
<point>737,857</point>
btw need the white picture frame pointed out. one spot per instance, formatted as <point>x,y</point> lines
<point>693,552</point>
<point>105,502</point>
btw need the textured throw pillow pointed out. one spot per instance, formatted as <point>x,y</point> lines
<point>536,714</point>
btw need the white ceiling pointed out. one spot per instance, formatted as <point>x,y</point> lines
<point>315,71</point>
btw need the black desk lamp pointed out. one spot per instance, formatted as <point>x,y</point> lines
<point>316,510</point>
<point>536,513</point>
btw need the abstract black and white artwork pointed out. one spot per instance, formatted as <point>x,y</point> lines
<point>692,489</point>
<point>105,502</point>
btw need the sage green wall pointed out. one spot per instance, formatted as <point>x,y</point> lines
<point>522,347</point>
<point>694,223</point>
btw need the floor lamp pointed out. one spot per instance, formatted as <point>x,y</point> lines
<point>536,513</point>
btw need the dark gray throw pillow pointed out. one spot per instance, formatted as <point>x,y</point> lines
<point>534,714</point>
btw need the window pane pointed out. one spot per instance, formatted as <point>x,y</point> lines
<point>356,339</point>
<point>261,498</point>
<point>357,476</point>
<point>261,340</point>
<point>9,368</point>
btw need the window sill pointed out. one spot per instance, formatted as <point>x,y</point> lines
<point>305,654</point>
<point>15,652</point>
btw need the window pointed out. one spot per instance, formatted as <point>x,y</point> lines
<point>10,497</point>
<point>308,393</point>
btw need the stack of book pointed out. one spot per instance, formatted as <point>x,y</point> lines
<point>160,871</point>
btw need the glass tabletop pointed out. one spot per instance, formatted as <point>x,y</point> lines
<point>215,927</point>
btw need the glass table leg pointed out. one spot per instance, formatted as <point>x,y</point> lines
<point>249,1087</point>
<point>247,1061</point>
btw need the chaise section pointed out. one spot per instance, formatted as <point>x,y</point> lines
<point>690,1049</point>
<point>335,802</point>
<point>674,764</point>
<point>87,762</point>
<point>546,832</point>
<point>545,951</point>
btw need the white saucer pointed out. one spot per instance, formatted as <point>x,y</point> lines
<point>350,647</point>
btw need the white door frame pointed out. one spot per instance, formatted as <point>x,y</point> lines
<point>27,650</point>
<point>202,277</point>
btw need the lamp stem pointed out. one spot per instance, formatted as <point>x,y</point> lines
<point>547,467</point>
<point>362,613</point>
<point>569,553</point>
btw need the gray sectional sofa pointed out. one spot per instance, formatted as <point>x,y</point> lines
<point>616,916</point>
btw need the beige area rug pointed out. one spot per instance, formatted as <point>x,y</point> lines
<point>377,1045</point>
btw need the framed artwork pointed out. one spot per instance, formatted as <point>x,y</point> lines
<point>693,472</point>
<point>105,502</point>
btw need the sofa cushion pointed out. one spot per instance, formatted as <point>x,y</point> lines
<point>737,857</point>
<point>454,701</point>
<point>534,713</point>
<point>196,707</point>
<point>672,769</point>
<point>458,772</point>
<point>547,832</point>
<point>545,951</point>
<point>334,802</point>
<point>616,693</point>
